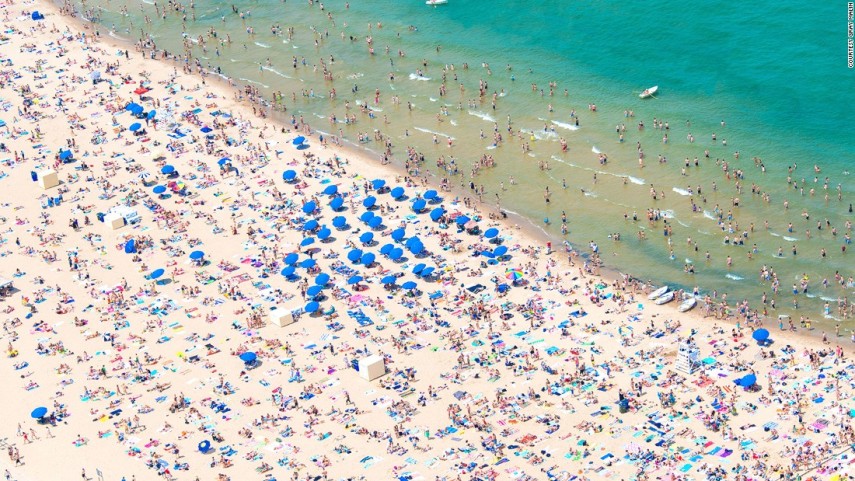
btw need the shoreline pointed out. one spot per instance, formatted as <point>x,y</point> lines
<point>611,273</point>
<point>465,369</point>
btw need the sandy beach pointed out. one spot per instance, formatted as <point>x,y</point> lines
<point>193,291</point>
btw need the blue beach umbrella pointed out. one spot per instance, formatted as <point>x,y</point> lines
<point>418,268</point>
<point>299,140</point>
<point>309,207</point>
<point>312,306</point>
<point>159,189</point>
<point>419,205</point>
<point>322,279</point>
<point>389,280</point>
<point>135,126</point>
<point>156,273</point>
<point>311,225</point>
<point>369,202</point>
<point>248,356</point>
<point>324,233</point>
<point>462,220</point>
<point>204,446</point>
<point>375,222</point>
<point>760,335</point>
<point>500,251</point>
<point>291,258</point>
<point>331,190</point>
<point>377,184</point>
<point>397,192</point>
<point>488,254</point>
<point>224,161</point>
<point>167,169</point>
<point>354,255</point>
<point>386,249</point>
<point>436,214</point>
<point>366,237</point>
<point>307,241</point>
<point>430,195</point>
<point>64,154</point>
<point>427,271</point>
<point>411,241</point>
<point>130,247</point>
<point>409,285</point>
<point>151,114</point>
<point>288,271</point>
<point>491,232</point>
<point>308,263</point>
<point>289,175</point>
<point>367,259</point>
<point>39,412</point>
<point>314,291</point>
<point>354,280</point>
<point>336,203</point>
<point>339,221</point>
<point>396,253</point>
<point>417,248</point>
<point>366,216</point>
<point>398,234</point>
<point>196,255</point>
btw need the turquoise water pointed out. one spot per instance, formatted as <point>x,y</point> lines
<point>775,72</point>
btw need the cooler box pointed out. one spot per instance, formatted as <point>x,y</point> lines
<point>48,179</point>
<point>371,367</point>
<point>281,317</point>
<point>115,221</point>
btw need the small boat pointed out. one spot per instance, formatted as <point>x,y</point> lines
<point>647,93</point>
<point>688,304</point>
<point>664,298</point>
<point>658,293</point>
<point>436,2</point>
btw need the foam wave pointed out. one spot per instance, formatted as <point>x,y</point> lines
<point>482,115</point>
<point>734,277</point>
<point>680,191</point>
<point>433,132</point>
<point>419,77</point>
<point>262,45</point>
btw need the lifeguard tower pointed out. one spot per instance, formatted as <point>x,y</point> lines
<point>688,357</point>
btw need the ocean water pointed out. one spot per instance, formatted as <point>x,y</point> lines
<point>774,72</point>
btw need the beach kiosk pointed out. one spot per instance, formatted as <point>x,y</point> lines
<point>371,367</point>
<point>281,317</point>
<point>48,179</point>
<point>6,287</point>
<point>114,221</point>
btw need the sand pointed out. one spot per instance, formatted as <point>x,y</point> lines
<point>137,374</point>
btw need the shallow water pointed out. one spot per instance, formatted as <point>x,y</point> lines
<point>779,82</point>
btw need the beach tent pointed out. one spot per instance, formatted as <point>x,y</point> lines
<point>746,381</point>
<point>37,16</point>
<point>130,247</point>
<point>65,155</point>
